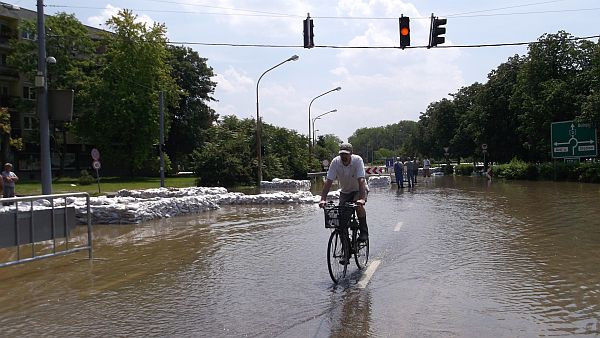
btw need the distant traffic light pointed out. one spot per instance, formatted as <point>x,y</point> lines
<point>404,31</point>
<point>308,32</point>
<point>437,30</point>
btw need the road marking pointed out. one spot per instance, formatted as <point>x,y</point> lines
<point>398,226</point>
<point>362,283</point>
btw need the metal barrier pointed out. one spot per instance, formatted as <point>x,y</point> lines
<point>35,225</point>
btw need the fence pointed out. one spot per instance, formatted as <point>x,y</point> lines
<point>21,226</point>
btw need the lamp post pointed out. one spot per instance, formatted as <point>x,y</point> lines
<point>316,118</point>
<point>258,123</point>
<point>42,103</point>
<point>309,120</point>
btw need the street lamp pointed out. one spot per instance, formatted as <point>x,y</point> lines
<point>316,118</point>
<point>309,120</point>
<point>42,102</point>
<point>258,123</point>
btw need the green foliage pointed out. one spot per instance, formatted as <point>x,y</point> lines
<point>5,130</point>
<point>190,120</point>
<point>399,138</point>
<point>517,169</point>
<point>124,117</point>
<point>464,169</point>
<point>85,178</point>
<point>326,148</point>
<point>588,172</point>
<point>447,169</point>
<point>229,158</point>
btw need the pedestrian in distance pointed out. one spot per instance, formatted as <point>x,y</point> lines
<point>349,170</point>
<point>426,167</point>
<point>416,170</point>
<point>399,173</point>
<point>410,173</point>
<point>9,178</point>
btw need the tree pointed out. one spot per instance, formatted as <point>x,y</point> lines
<point>228,157</point>
<point>69,42</point>
<point>327,147</point>
<point>125,115</point>
<point>5,140</point>
<point>193,116</point>
<point>550,88</point>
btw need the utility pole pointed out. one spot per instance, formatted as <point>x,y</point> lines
<point>42,103</point>
<point>162,138</point>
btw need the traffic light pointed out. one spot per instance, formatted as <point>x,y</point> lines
<point>437,30</point>
<point>404,31</point>
<point>308,32</point>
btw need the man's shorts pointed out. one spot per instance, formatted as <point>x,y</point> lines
<point>351,196</point>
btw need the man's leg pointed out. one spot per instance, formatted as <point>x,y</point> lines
<point>361,213</point>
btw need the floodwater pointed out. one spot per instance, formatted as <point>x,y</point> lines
<point>458,257</point>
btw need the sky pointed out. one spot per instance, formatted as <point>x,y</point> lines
<point>380,86</point>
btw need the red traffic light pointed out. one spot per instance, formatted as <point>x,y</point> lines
<point>404,31</point>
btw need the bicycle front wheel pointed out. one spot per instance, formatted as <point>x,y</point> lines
<point>337,256</point>
<point>361,250</point>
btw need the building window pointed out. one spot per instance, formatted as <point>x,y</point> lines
<point>28,35</point>
<point>29,123</point>
<point>29,93</point>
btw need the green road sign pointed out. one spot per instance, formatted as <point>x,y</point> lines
<point>570,139</point>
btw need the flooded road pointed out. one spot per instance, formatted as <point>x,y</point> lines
<point>458,257</point>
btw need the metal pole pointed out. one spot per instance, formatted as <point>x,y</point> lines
<point>258,122</point>
<point>162,138</point>
<point>310,145</point>
<point>42,103</point>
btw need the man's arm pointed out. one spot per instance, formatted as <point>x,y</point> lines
<point>325,191</point>
<point>362,191</point>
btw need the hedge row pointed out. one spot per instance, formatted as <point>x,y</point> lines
<point>519,170</point>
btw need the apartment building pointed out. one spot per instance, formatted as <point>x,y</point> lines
<point>18,94</point>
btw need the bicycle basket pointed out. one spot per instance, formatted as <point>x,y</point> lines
<point>337,216</point>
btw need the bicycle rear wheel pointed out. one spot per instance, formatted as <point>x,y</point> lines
<point>337,256</point>
<point>361,250</point>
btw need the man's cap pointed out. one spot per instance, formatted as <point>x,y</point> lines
<point>345,148</point>
<point>7,164</point>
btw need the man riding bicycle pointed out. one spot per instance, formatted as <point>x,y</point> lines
<point>349,170</point>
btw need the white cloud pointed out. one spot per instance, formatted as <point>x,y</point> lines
<point>110,11</point>
<point>247,17</point>
<point>389,85</point>
<point>232,81</point>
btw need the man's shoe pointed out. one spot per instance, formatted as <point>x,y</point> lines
<point>344,261</point>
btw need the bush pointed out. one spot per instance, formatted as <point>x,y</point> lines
<point>447,169</point>
<point>558,171</point>
<point>517,170</point>
<point>464,169</point>
<point>85,178</point>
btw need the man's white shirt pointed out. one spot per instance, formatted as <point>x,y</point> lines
<point>348,175</point>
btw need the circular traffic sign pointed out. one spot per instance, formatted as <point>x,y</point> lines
<point>484,146</point>
<point>96,165</point>
<point>325,163</point>
<point>95,154</point>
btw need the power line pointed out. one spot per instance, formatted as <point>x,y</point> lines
<point>279,15</point>
<point>374,47</point>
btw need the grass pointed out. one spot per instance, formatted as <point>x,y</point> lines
<point>107,184</point>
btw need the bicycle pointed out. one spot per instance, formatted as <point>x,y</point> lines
<point>342,245</point>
